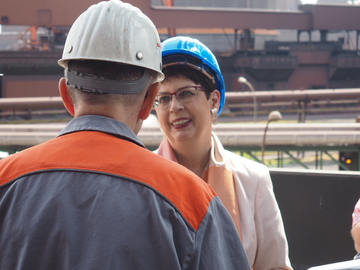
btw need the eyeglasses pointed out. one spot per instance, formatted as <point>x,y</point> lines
<point>183,95</point>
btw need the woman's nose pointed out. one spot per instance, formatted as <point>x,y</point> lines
<point>175,104</point>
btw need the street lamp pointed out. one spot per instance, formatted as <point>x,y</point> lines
<point>252,90</point>
<point>1,80</point>
<point>273,116</point>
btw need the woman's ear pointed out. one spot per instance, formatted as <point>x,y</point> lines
<point>149,99</point>
<point>215,99</point>
<point>65,96</point>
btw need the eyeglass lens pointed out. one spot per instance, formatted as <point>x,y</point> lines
<point>183,95</point>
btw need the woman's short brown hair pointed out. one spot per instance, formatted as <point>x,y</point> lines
<point>177,71</point>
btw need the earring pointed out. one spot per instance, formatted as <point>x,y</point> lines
<point>214,115</point>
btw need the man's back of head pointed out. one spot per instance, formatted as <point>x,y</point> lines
<point>112,61</point>
<point>81,73</point>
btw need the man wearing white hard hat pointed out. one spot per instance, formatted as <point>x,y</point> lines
<point>94,197</point>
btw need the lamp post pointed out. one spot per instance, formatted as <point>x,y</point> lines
<point>1,80</point>
<point>273,116</point>
<point>252,90</point>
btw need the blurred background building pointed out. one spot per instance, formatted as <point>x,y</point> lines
<point>283,58</point>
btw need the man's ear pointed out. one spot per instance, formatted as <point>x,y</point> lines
<point>65,96</point>
<point>149,99</point>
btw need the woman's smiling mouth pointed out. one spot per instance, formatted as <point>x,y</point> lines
<point>181,123</point>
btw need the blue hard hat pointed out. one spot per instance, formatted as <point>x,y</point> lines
<point>191,52</point>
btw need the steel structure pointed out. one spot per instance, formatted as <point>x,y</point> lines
<point>242,138</point>
<point>280,65</point>
<point>231,98</point>
<point>307,18</point>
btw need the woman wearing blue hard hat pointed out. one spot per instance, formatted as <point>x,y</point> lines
<point>188,103</point>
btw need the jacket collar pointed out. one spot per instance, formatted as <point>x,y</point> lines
<point>101,124</point>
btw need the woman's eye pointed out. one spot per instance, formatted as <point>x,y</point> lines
<point>164,99</point>
<point>186,93</point>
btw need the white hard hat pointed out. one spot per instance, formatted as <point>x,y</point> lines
<point>117,32</point>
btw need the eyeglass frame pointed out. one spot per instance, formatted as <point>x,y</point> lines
<point>197,87</point>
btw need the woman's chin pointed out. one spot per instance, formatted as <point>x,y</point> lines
<point>182,137</point>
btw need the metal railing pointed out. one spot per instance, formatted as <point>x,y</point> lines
<point>241,138</point>
<point>302,99</point>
